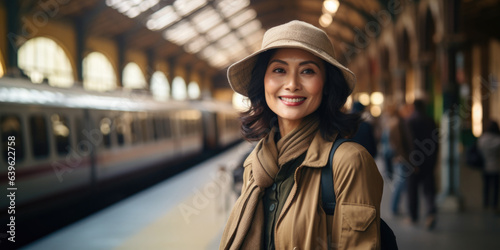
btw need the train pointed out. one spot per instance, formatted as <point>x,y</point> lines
<point>59,142</point>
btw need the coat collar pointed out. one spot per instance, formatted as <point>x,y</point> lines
<point>318,153</point>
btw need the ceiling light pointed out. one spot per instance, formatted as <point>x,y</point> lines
<point>325,20</point>
<point>331,6</point>
<point>364,98</point>
<point>377,98</point>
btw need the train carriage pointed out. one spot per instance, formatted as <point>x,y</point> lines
<point>70,140</point>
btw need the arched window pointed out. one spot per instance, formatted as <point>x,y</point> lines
<point>133,78</point>
<point>98,74</point>
<point>193,90</point>
<point>179,91</point>
<point>43,60</point>
<point>159,86</point>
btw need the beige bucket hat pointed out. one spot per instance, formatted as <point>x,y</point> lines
<point>294,34</point>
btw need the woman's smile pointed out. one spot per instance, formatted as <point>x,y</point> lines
<point>292,100</point>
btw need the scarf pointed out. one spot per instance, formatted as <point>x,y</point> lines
<point>245,224</point>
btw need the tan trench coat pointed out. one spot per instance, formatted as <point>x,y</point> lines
<point>358,185</point>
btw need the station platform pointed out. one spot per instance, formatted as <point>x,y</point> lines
<point>186,211</point>
<point>189,211</point>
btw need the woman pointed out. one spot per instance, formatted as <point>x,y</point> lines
<point>489,145</point>
<point>297,92</point>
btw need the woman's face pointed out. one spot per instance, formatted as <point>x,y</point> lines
<point>293,84</point>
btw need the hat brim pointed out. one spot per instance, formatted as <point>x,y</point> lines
<point>240,73</point>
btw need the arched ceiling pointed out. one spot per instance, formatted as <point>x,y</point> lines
<point>224,31</point>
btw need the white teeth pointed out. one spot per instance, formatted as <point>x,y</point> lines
<point>292,99</point>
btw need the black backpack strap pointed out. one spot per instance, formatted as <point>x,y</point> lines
<point>327,190</point>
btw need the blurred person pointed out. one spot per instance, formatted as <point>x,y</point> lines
<point>385,145</point>
<point>489,145</point>
<point>297,92</point>
<point>399,140</point>
<point>365,134</point>
<point>422,128</point>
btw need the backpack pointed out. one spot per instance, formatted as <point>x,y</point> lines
<point>387,237</point>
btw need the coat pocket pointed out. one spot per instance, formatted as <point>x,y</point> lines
<point>359,230</point>
<point>358,216</point>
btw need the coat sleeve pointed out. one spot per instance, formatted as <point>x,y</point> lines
<point>358,190</point>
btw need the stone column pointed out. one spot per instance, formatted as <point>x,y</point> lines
<point>450,198</point>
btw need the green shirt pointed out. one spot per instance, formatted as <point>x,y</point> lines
<point>275,197</point>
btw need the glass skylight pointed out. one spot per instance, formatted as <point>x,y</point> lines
<point>196,45</point>
<point>237,52</point>
<point>219,31</point>
<point>208,52</point>
<point>162,18</point>
<point>218,60</point>
<point>243,18</point>
<point>132,8</point>
<point>206,19</point>
<point>181,32</point>
<point>230,7</point>
<point>185,7</point>
<point>249,28</point>
<point>228,41</point>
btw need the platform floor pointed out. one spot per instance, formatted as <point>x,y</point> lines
<point>189,211</point>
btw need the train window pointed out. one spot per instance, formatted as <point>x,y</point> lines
<point>193,126</point>
<point>134,131</point>
<point>121,129</point>
<point>80,137</point>
<point>157,131</point>
<point>182,127</point>
<point>187,126</point>
<point>105,127</point>
<point>60,128</point>
<point>39,136</point>
<point>167,127</point>
<point>144,129</point>
<point>11,130</point>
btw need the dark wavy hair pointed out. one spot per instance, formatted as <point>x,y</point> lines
<point>258,121</point>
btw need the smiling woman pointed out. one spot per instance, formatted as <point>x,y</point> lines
<point>297,91</point>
